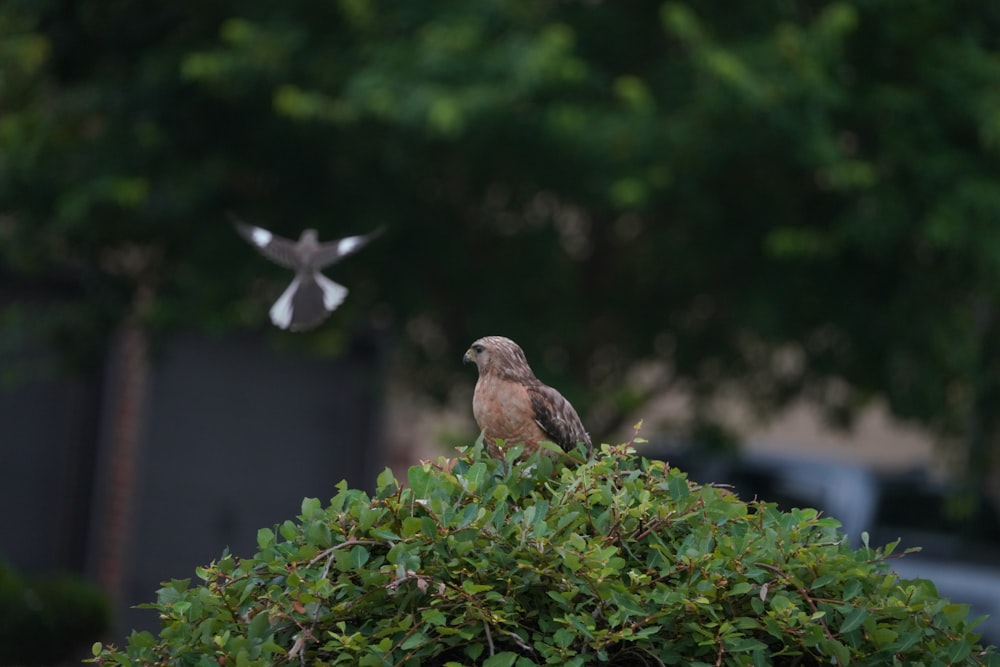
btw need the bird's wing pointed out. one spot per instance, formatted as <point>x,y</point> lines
<point>277,249</point>
<point>330,252</point>
<point>555,416</point>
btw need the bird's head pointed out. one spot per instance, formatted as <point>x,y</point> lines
<point>472,354</point>
<point>309,236</point>
<point>496,354</point>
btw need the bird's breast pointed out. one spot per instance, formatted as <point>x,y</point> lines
<point>503,410</point>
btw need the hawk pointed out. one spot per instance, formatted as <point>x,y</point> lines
<point>311,296</point>
<point>513,405</point>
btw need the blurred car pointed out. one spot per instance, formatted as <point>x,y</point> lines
<point>964,564</point>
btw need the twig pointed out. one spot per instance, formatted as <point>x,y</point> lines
<point>489,637</point>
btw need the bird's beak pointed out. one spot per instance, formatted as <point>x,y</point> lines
<point>467,357</point>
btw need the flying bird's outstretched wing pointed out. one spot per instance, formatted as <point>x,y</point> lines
<point>329,253</point>
<point>277,249</point>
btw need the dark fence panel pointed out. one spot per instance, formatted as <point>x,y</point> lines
<point>234,434</point>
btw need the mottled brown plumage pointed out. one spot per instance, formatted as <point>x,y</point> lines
<point>512,405</point>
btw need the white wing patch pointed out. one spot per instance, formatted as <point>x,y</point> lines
<point>281,311</point>
<point>261,237</point>
<point>333,293</point>
<point>349,244</point>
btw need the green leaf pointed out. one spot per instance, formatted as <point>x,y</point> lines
<point>743,644</point>
<point>386,483</point>
<point>851,590</point>
<point>385,534</point>
<point>958,651</point>
<point>627,603</point>
<point>265,538</point>
<point>412,526</point>
<point>415,640</point>
<point>780,602</point>
<point>504,659</point>
<point>474,589</point>
<point>564,637</point>
<point>469,515</point>
<point>433,617</point>
<point>474,477</point>
<point>836,649</point>
<point>288,530</point>
<point>359,556</point>
<point>259,627</point>
<point>678,487</point>
<point>311,506</point>
<point>420,480</point>
<point>853,619</point>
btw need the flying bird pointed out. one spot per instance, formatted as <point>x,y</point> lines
<point>311,296</point>
<point>512,405</point>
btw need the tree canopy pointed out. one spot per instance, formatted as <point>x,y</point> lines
<point>795,198</point>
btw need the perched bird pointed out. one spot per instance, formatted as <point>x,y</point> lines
<point>513,405</point>
<point>312,296</point>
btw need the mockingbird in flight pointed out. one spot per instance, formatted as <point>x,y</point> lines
<point>312,296</point>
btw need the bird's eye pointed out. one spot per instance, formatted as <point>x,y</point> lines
<point>477,348</point>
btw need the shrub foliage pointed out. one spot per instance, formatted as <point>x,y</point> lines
<point>617,560</point>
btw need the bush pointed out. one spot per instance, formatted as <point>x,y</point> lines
<point>617,560</point>
<point>46,620</point>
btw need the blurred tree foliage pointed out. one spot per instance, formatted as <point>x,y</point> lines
<point>792,198</point>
